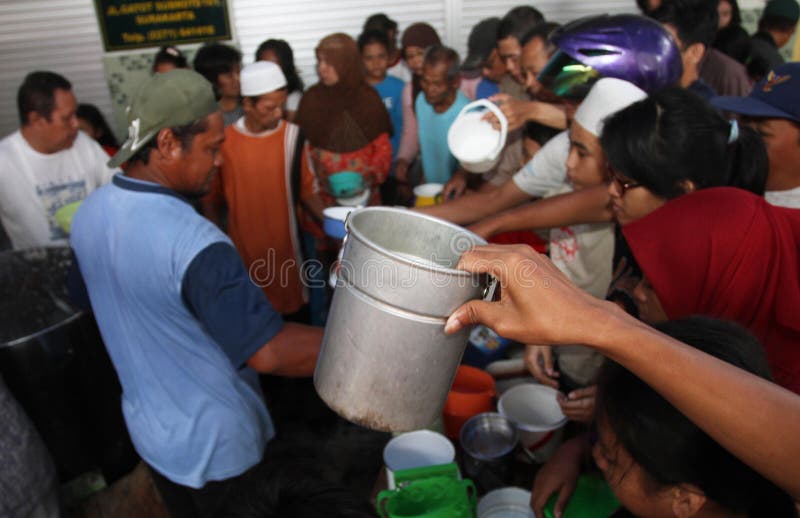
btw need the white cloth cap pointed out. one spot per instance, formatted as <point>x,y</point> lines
<point>608,96</point>
<point>261,77</point>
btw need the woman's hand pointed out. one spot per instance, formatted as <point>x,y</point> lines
<point>578,405</point>
<point>539,360</point>
<point>559,475</point>
<point>538,304</point>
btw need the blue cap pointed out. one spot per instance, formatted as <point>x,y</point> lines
<point>777,96</point>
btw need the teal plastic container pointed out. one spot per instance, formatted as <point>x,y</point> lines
<point>346,184</point>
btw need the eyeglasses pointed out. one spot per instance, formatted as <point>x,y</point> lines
<point>622,183</point>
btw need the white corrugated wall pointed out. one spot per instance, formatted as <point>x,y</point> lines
<point>63,35</point>
<point>58,35</point>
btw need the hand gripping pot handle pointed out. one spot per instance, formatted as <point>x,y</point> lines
<point>492,107</point>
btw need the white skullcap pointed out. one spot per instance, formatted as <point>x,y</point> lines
<point>608,96</point>
<point>261,77</point>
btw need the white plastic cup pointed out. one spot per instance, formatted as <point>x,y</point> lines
<point>416,449</point>
<point>428,194</point>
<point>535,411</point>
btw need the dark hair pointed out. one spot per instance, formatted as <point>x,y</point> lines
<point>543,31</point>
<point>185,135</point>
<point>37,94</point>
<point>668,446</point>
<point>518,21</point>
<point>369,37</point>
<point>440,54</point>
<point>673,136</point>
<point>736,14</point>
<point>775,23</point>
<point>379,22</point>
<point>539,132</point>
<point>214,59</point>
<point>733,40</point>
<point>695,21</point>
<point>644,7</point>
<point>170,54</point>
<point>92,115</point>
<point>283,51</point>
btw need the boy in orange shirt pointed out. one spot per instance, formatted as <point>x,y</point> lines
<point>257,182</point>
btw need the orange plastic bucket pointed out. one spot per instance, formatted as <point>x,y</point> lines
<point>472,393</point>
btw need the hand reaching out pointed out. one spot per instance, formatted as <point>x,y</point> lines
<point>539,360</point>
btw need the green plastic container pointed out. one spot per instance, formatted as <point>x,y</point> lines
<point>403,477</point>
<point>435,497</point>
<point>592,499</point>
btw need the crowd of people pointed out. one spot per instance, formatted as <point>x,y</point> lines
<point>655,156</point>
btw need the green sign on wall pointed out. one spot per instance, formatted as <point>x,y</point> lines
<point>129,24</point>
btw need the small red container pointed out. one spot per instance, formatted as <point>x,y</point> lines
<point>473,392</point>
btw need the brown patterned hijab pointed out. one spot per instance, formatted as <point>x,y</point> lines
<point>349,115</point>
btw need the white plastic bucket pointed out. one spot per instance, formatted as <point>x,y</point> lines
<point>416,449</point>
<point>473,141</point>
<point>507,502</point>
<point>535,411</point>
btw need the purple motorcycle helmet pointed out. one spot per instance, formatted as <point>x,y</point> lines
<point>626,46</point>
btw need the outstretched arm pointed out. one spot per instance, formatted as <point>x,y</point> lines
<point>476,206</point>
<point>572,208</point>
<point>757,421</point>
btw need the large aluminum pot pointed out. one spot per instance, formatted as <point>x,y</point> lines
<point>385,362</point>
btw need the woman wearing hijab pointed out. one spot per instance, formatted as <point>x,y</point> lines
<point>347,128</point>
<point>725,253</point>
<point>344,119</point>
<point>417,38</point>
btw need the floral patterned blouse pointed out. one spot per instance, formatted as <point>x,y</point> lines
<point>373,161</point>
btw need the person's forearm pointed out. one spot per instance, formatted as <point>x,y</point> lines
<point>757,421</point>
<point>586,206</point>
<point>292,353</point>
<point>476,206</point>
<point>547,114</point>
<point>315,206</point>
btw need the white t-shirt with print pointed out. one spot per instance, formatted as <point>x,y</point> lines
<point>546,172</point>
<point>583,252</point>
<point>33,186</point>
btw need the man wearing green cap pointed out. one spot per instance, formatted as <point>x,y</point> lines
<point>775,28</point>
<point>185,327</point>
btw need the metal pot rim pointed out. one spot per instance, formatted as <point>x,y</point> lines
<point>357,234</point>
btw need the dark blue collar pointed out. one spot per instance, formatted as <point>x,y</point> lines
<point>132,184</point>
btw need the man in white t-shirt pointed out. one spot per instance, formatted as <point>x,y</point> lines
<point>46,164</point>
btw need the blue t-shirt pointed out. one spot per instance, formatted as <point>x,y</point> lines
<point>390,90</point>
<point>486,89</point>
<point>179,317</point>
<point>438,163</point>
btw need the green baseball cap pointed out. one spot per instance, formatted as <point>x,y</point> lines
<point>166,100</point>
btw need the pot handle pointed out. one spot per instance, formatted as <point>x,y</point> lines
<point>490,289</point>
<point>492,107</point>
